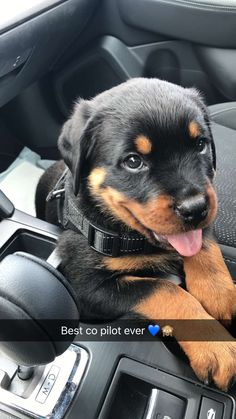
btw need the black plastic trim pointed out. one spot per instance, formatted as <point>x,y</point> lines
<point>194,21</point>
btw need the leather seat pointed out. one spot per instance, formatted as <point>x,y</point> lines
<point>206,22</point>
<point>224,131</point>
<point>224,114</point>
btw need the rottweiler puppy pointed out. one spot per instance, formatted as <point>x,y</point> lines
<point>141,163</point>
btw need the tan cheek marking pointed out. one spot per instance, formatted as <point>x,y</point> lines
<point>115,202</point>
<point>212,204</point>
<point>143,144</point>
<point>96,178</point>
<point>157,214</point>
<point>194,129</point>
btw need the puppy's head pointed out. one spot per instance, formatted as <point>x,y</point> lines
<point>145,154</point>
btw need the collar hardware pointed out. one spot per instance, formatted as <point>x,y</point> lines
<point>55,194</point>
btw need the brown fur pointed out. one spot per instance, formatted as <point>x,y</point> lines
<point>143,144</point>
<point>212,204</point>
<point>194,129</point>
<point>205,356</point>
<point>137,262</point>
<point>156,214</point>
<point>114,202</point>
<point>96,179</point>
<point>209,281</point>
<point>126,279</point>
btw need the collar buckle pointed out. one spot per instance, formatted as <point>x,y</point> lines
<point>59,189</point>
<point>55,194</point>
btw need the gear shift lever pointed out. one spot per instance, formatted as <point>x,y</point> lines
<point>32,296</point>
<point>35,301</point>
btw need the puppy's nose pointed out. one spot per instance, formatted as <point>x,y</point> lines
<point>193,210</point>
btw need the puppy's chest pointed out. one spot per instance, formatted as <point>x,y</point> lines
<point>144,264</point>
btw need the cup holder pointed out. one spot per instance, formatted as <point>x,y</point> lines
<point>26,241</point>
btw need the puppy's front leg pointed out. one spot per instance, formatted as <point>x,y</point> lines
<point>209,281</point>
<point>209,357</point>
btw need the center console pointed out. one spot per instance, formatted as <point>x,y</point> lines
<point>143,392</point>
<point>104,380</point>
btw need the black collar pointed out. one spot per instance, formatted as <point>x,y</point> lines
<point>102,240</point>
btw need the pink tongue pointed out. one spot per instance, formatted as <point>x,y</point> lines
<point>187,244</point>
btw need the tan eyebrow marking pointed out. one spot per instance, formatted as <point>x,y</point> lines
<point>194,129</point>
<point>143,144</point>
<point>96,178</point>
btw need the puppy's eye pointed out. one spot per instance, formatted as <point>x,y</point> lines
<point>202,146</point>
<point>133,162</point>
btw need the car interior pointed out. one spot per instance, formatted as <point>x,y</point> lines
<point>51,53</point>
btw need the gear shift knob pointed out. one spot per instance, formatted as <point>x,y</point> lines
<point>34,300</point>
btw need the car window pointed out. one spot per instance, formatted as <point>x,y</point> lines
<point>12,11</point>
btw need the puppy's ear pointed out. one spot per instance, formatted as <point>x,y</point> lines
<point>86,146</point>
<point>65,144</point>
<point>77,140</point>
<point>196,96</point>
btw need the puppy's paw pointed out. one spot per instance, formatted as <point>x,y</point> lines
<point>221,304</point>
<point>213,361</point>
<point>209,281</point>
<point>218,299</point>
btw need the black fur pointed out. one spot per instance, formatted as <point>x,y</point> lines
<point>100,133</point>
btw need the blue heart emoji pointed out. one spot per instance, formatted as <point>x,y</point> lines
<point>154,329</point>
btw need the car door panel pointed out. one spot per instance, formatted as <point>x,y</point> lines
<point>30,49</point>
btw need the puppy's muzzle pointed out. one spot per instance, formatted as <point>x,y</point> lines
<point>193,210</point>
